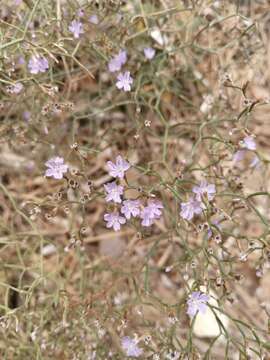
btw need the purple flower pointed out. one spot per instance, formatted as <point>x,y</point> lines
<point>239,155</point>
<point>149,53</point>
<point>76,28</point>
<point>255,162</point>
<point>56,167</point>
<point>119,168</point>
<point>114,220</point>
<point>114,192</point>
<point>197,302</point>
<point>124,81</point>
<point>118,61</point>
<point>38,64</point>
<point>15,89</point>
<point>248,143</point>
<point>151,212</point>
<point>130,347</point>
<point>204,188</point>
<point>191,208</point>
<point>93,19</point>
<point>131,208</point>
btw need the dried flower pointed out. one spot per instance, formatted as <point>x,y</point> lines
<point>114,192</point>
<point>130,347</point>
<point>114,220</point>
<point>76,28</point>
<point>197,302</point>
<point>56,167</point>
<point>124,81</point>
<point>38,64</point>
<point>149,53</point>
<point>191,208</point>
<point>119,168</point>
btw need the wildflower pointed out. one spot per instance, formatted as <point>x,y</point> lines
<point>248,143</point>
<point>197,302</point>
<point>114,220</point>
<point>130,208</point>
<point>130,347</point>
<point>56,167</point>
<point>239,155</point>
<point>118,61</point>
<point>15,89</point>
<point>93,19</point>
<point>204,188</point>
<point>149,53</point>
<point>154,207</point>
<point>191,208</point>
<point>38,64</point>
<point>255,162</point>
<point>119,168</point>
<point>151,212</point>
<point>76,28</point>
<point>114,192</point>
<point>124,81</point>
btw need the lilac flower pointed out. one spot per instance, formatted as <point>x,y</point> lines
<point>15,89</point>
<point>151,212</point>
<point>114,192</point>
<point>149,53</point>
<point>249,143</point>
<point>124,81</point>
<point>147,217</point>
<point>118,61</point>
<point>76,28</point>
<point>130,347</point>
<point>197,302</point>
<point>239,155</point>
<point>114,220</point>
<point>38,64</point>
<point>191,208</point>
<point>93,19</point>
<point>131,208</point>
<point>56,167</point>
<point>119,168</point>
<point>204,188</point>
<point>255,162</point>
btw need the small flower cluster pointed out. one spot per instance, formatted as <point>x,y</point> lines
<point>129,208</point>
<point>195,205</point>
<point>124,80</point>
